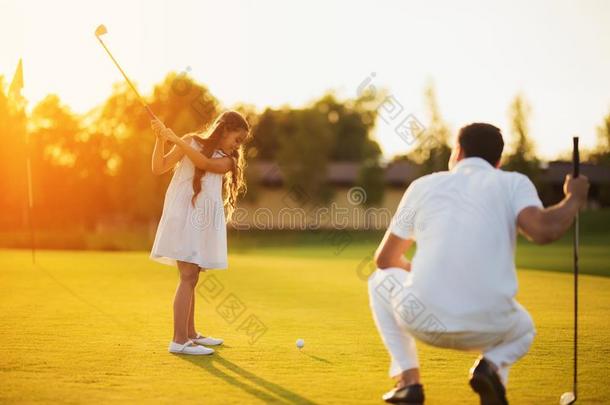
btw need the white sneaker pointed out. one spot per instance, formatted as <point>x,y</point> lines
<point>207,340</point>
<point>189,348</point>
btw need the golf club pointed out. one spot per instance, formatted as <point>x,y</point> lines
<point>101,30</point>
<point>568,398</point>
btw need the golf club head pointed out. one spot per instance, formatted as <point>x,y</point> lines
<point>100,30</point>
<point>567,398</point>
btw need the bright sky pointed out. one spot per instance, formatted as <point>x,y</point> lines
<point>479,54</point>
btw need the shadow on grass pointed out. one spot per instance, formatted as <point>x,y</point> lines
<point>245,380</point>
<point>311,356</point>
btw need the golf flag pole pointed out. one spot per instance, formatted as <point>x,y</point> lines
<point>101,30</point>
<point>14,93</point>
<point>30,198</point>
<point>14,90</point>
<point>576,172</point>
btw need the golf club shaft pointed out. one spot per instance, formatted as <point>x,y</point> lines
<point>152,115</point>
<point>576,172</point>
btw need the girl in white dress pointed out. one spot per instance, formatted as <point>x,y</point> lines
<point>192,230</point>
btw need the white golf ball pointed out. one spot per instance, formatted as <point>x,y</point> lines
<point>566,398</point>
<point>300,343</point>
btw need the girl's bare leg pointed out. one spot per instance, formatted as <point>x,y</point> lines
<point>189,275</point>
<point>192,331</point>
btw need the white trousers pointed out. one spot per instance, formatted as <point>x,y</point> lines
<point>503,346</point>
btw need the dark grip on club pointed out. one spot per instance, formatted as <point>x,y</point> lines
<point>576,157</point>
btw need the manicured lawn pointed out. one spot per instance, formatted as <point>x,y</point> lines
<point>91,327</point>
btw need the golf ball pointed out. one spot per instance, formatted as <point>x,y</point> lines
<point>566,398</point>
<point>300,343</point>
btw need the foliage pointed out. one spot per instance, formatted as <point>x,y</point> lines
<point>522,156</point>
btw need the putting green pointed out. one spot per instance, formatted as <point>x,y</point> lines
<point>94,327</point>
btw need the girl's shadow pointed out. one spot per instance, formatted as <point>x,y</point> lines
<point>259,387</point>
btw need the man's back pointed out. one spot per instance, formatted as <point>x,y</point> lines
<point>464,223</point>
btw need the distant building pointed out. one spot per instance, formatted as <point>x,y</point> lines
<point>277,207</point>
<point>552,178</point>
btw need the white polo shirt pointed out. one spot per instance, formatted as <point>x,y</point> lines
<point>464,224</point>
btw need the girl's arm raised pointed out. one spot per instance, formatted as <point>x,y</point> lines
<point>201,161</point>
<point>162,162</point>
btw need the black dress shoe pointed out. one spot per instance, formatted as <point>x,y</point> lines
<point>409,394</point>
<point>486,382</point>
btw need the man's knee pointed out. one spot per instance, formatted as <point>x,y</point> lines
<point>522,332</point>
<point>525,323</point>
<point>373,290</point>
<point>374,285</point>
<point>529,329</point>
<point>386,283</point>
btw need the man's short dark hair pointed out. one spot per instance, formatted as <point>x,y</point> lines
<point>481,140</point>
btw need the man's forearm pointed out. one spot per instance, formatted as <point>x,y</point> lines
<point>404,264</point>
<point>391,252</point>
<point>400,262</point>
<point>559,217</point>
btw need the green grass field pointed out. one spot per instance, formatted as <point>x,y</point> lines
<point>94,327</point>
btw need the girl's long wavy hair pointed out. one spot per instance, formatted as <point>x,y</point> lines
<point>209,139</point>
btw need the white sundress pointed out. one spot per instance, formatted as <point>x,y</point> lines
<point>192,234</point>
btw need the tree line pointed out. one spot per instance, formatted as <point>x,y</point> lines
<point>95,167</point>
